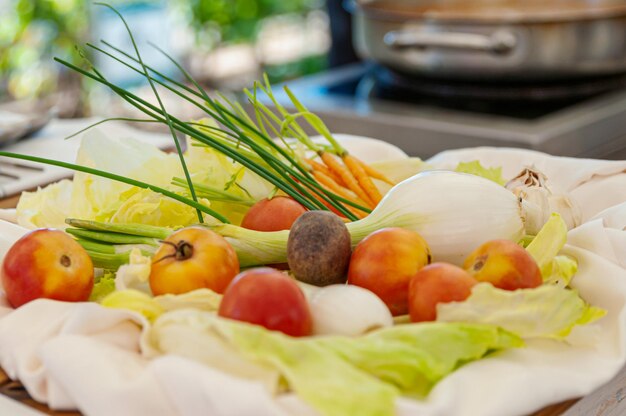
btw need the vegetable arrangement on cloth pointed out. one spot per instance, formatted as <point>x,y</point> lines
<point>366,281</point>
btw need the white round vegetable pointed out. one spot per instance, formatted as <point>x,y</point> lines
<point>347,310</point>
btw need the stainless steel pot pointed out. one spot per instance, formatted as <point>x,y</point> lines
<point>493,39</point>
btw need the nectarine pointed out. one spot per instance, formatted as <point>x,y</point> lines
<point>385,261</point>
<point>47,263</point>
<point>437,283</point>
<point>269,298</point>
<point>504,264</point>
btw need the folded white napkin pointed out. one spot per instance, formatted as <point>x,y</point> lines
<point>87,357</point>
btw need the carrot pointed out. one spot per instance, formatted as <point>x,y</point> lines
<point>323,168</point>
<point>347,176</point>
<point>363,179</point>
<point>373,173</point>
<point>332,186</point>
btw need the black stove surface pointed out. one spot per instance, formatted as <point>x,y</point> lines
<point>523,101</point>
<point>584,118</point>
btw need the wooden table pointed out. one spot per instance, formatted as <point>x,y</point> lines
<point>606,401</point>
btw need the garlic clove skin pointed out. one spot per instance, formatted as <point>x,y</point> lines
<point>347,310</point>
<point>568,208</point>
<point>532,186</point>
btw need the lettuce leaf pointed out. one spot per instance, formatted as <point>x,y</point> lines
<point>475,168</point>
<point>544,248</point>
<point>135,301</point>
<point>90,197</point>
<point>103,287</point>
<point>547,311</point>
<point>335,375</point>
<point>46,207</point>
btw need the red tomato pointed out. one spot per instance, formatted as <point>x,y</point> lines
<point>385,261</point>
<point>47,264</point>
<point>267,297</point>
<point>437,283</point>
<point>274,214</point>
<point>193,258</point>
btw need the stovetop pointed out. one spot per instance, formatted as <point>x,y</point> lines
<point>426,116</point>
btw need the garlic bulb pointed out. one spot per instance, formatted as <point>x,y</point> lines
<point>531,185</point>
<point>454,212</point>
<point>347,310</point>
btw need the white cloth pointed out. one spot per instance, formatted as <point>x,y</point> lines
<point>87,357</point>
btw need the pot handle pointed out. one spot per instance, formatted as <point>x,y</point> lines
<point>499,42</point>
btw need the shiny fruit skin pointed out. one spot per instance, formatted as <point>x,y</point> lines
<point>437,283</point>
<point>47,263</point>
<point>268,297</point>
<point>193,258</point>
<point>275,214</point>
<point>504,264</point>
<point>385,261</point>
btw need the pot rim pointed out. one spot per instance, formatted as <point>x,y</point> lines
<point>369,9</point>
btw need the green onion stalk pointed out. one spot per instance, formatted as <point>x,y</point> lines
<point>258,142</point>
<point>246,140</point>
<point>456,213</point>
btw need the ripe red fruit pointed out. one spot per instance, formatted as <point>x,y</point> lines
<point>385,261</point>
<point>437,283</point>
<point>504,264</point>
<point>267,297</point>
<point>275,214</point>
<point>47,263</point>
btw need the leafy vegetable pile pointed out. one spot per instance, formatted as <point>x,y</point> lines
<point>373,251</point>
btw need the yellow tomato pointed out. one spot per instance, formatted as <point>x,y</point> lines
<point>193,258</point>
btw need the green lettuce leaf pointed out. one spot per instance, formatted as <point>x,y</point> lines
<point>103,287</point>
<point>544,248</point>
<point>46,207</point>
<point>89,197</point>
<point>414,357</point>
<point>335,375</point>
<point>547,311</point>
<point>475,168</point>
<point>560,271</point>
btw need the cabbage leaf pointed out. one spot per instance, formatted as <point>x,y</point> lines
<point>544,248</point>
<point>335,375</point>
<point>90,197</point>
<point>548,311</point>
<point>475,168</point>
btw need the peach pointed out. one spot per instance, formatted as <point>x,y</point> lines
<point>504,264</point>
<point>47,263</point>
<point>385,261</point>
<point>434,284</point>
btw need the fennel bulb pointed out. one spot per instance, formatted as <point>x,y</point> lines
<point>454,212</point>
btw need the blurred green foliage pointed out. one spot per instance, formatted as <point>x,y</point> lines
<point>238,20</point>
<point>31,33</point>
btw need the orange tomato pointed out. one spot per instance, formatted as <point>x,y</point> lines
<point>193,258</point>
<point>49,264</point>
